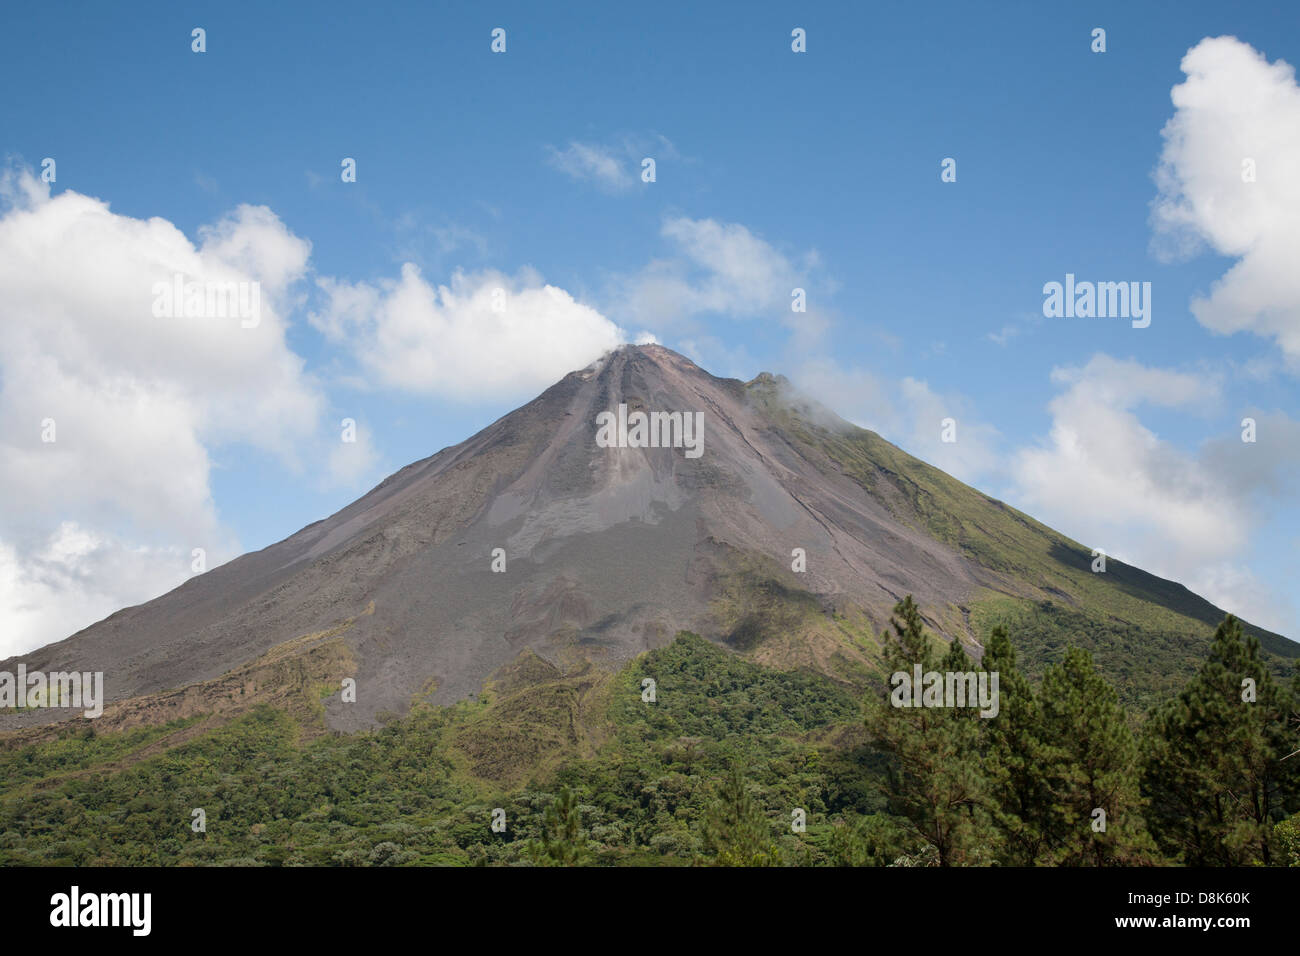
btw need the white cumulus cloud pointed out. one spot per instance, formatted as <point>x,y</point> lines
<point>107,513</point>
<point>480,336</point>
<point>1236,114</point>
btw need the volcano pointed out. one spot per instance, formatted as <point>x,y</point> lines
<point>788,536</point>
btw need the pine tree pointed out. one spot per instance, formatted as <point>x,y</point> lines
<point>1015,758</point>
<point>909,644</point>
<point>1216,768</point>
<point>560,842</point>
<point>735,830</point>
<point>871,840</point>
<point>1090,768</point>
<point>934,778</point>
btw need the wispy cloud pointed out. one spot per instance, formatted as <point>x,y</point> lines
<point>614,167</point>
<point>1106,478</point>
<point>726,269</point>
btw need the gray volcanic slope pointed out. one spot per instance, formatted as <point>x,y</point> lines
<point>609,551</point>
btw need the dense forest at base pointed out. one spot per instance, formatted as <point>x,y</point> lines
<point>732,763</point>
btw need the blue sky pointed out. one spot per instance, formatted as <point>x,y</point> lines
<point>521,169</point>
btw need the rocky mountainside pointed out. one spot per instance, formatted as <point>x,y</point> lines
<point>531,542</point>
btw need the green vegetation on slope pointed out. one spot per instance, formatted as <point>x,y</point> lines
<point>716,769</point>
<point>404,794</point>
